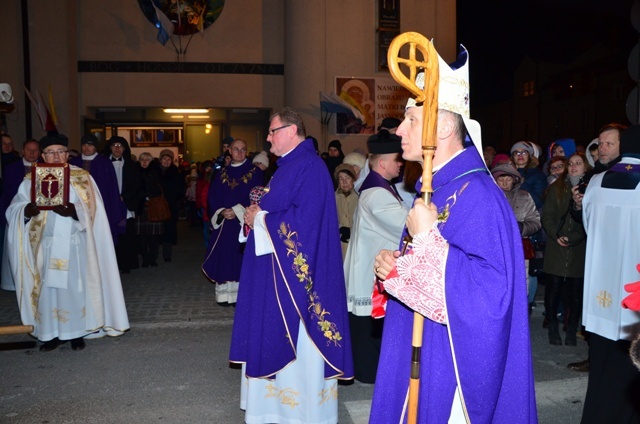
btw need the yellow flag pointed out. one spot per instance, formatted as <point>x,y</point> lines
<point>52,108</point>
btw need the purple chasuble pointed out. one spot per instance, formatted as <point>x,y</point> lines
<point>486,301</point>
<point>302,281</point>
<point>230,187</point>
<point>12,177</point>
<point>104,175</point>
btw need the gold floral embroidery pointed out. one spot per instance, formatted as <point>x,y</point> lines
<point>234,182</point>
<point>301,268</point>
<point>60,315</point>
<point>329,394</point>
<point>286,396</point>
<point>445,211</point>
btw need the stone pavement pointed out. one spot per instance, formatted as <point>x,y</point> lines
<point>173,364</point>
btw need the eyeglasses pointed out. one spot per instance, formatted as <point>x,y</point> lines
<point>239,149</point>
<point>273,130</point>
<point>116,145</point>
<point>556,167</point>
<point>55,152</point>
<point>520,153</point>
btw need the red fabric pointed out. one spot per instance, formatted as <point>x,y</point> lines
<point>202,190</point>
<point>379,298</point>
<point>633,300</point>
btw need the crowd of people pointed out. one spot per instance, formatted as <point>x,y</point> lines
<point>333,260</point>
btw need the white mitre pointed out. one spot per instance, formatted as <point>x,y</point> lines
<point>453,93</point>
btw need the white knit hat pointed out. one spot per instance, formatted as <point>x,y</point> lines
<point>261,158</point>
<point>355,159</point>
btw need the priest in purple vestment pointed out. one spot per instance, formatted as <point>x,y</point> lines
<point>226,202</point>
<point>102,172</point>
<point>292,298</point>
<point>12,176</point>
<point>465,274</point>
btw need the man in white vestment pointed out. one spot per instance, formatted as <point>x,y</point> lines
<point>377,224</point>
<point>611,217</point>
<point>63,262</point>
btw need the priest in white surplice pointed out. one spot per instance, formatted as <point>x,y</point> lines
<point>63,262</point>
<point>377,224</point>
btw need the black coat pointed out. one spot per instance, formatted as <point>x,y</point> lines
<point>132,185</point>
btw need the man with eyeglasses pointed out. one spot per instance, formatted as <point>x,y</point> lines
<point>227,199</point>
<point>62,260</point>
<point>129,179</point>
<point>103,173</point>
<point>291,330</point>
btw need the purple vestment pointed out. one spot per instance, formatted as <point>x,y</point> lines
<point>104,175</point>
<point>302,281</point>
<point>486,301</point>
<point>230,187</point>
<point>12,177</point>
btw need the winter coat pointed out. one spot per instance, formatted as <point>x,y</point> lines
<point>525,210</point>
<point>562,261</point>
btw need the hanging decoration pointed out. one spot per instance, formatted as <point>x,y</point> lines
<point>180,18</point>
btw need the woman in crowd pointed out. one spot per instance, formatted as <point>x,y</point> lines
<point>173,188</point>
<point>346,201</point>
<point>557,168</point>
<point>149,233</point>
<point>533,180</point>
<point>524,208</point>
<point>565,251</point>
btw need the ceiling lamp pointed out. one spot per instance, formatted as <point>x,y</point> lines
<point>185,110</point>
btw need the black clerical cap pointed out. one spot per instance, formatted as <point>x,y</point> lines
<point>384,142</point>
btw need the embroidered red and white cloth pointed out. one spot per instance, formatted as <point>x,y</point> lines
<point>418,279</point>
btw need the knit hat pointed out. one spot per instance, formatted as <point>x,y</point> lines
<point>89,139</point>
<point>336,144</point>
<point>261,158</point>
<point>50,140</point>
<point>167,152</point>
<point>355,159</point>
<point>535,149</point>
<point>384,142</point>
<point>500,158</point>
<point>522,145</point>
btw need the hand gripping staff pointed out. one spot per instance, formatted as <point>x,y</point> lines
<point>428,97</point>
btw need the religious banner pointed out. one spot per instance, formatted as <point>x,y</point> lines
<point>374,98</point>
<point>49,185</point>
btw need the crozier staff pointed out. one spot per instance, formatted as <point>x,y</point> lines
<point>465,274</point>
